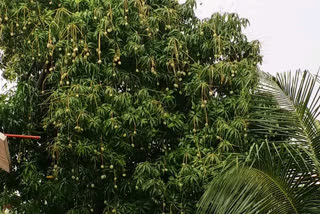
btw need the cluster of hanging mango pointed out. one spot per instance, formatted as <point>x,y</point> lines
<point>139,103</point>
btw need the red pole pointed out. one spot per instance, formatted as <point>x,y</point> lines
<point>23,136</point>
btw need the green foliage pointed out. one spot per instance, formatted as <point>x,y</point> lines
<point>138,102</point>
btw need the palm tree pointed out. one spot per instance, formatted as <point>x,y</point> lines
<point>281,173</point>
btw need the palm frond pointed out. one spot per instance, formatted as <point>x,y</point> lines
<point>286,112</point>
<point>252,190</point>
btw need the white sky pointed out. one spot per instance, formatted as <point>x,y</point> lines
<point>288,30</point>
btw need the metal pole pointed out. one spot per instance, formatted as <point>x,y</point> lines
<point>23,136</point>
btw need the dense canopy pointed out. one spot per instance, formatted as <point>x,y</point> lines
<point>136,101</point>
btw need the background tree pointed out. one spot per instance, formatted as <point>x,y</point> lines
<point>138,102</point>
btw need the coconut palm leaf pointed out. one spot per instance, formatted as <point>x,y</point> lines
<point>286,110</point>
<point>274,183</point>
<point>252,190</point>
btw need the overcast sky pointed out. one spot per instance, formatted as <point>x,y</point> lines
<point>289,30</point>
